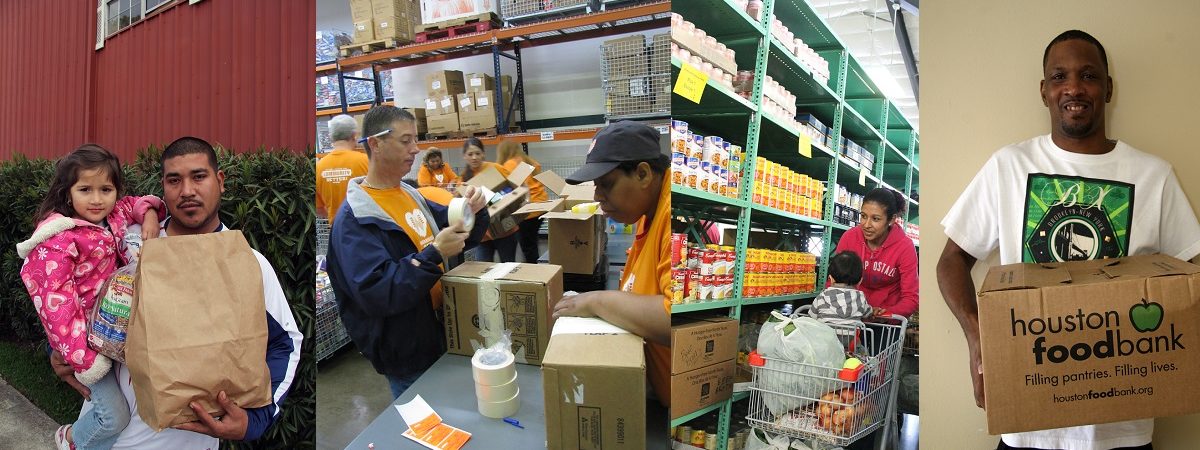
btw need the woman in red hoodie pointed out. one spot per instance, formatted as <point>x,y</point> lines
<point>889,258</point>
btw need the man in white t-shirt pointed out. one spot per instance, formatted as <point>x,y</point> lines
<point>1070,195</point>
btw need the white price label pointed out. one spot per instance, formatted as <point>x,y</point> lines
<point>663,129</point>
<point>436,84</point>
<point>547,135</point>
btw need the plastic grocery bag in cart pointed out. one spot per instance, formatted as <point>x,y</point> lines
<point>762,440</point>
<point>802,340</point>
<point>109,320</point>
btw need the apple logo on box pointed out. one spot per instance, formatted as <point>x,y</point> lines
<point>1146,316</point>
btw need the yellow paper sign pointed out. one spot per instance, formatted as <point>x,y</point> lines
<point>862,176</point>
<point>806,146</point>
<point>691,82</point>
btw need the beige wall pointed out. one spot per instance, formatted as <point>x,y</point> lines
<point>980,67</point>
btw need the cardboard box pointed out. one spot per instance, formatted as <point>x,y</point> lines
<point>419,115</point>
<point>702,341</point>
<point>479,82</point>
<point>577,240</point>
<point>406,9</point>
<point>503,206</point>
<point>1089,342</point>
<point>433,11</point>
<point>364,31</point>
<point>466,102</point>
<point>525,293</point>
<point>398,28</point>
<point>632,45</point>
<point>479,119</point>
<point>504,220</point>
<point>701,387</point>
<point>448,104</point>
<point>442,123</point>
<point>493,180</point>
<point>570,194</point>
<point>360,10</point>
<point>594,386</point>
<point>485,100</point>
<point>444,82</point>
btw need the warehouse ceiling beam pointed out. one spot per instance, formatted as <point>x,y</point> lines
<point>906,50</point>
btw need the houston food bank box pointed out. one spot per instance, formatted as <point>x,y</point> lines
<point>1089,342</point>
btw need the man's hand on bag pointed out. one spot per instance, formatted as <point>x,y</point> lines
<point>150,225</point>
<point>231,426</point>
<point>67,374</point>
<point>451,241</point>
<point>474,198</point>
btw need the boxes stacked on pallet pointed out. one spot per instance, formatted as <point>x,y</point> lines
<point>376,20</point>
<point>636,78</point>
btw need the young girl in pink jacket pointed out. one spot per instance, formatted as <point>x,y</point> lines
<point>68,258</point>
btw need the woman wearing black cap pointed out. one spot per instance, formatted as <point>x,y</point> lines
<point>632,177</point>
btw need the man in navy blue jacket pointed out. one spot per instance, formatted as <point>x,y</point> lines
<point>387,254</point>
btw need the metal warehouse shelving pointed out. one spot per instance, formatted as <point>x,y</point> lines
<point>504,43</point>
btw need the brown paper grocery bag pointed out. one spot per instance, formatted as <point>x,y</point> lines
<point>199,328</point>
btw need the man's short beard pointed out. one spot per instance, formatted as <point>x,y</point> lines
<point>1078,131</point>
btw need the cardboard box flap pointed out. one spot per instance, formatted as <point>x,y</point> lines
<point>520,174</point>
<point>568,215</point>
<point>1024,276</point>
<point>583,192</point>
<point>541,207</point>
<point>490,178</point>
<point>552,181</point>
<point>1146,266</point>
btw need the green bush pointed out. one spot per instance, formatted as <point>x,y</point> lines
<point>268,195</point>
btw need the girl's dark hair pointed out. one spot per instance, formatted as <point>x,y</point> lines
<point>892,202</point>
<point>470,142</point>
<point>66,174</point>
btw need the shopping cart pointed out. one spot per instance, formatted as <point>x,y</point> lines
<point>331,334</point>
<point>812,403</point>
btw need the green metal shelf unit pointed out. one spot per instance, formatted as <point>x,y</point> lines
<point>851,104</point>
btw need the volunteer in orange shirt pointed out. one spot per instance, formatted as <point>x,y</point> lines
<point>505,245</point>
<point>434,171</point>
<point>632,175</point>
<point>511,155</point>
<point>339,166</point>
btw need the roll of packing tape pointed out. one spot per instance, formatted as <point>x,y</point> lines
<point>493,373</point>
<point>485,393</point>
<point>501,409</point>
<point>460,212</point>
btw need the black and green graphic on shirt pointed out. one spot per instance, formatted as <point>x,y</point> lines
<point>1075,218</point>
